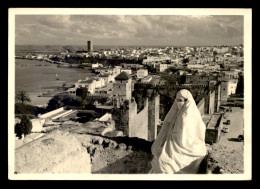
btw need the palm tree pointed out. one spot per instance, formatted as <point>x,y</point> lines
<point>22,96</point>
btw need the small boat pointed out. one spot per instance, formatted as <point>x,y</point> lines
<point>57,77</point>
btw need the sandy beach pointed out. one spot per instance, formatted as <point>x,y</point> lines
<point>38,101</point>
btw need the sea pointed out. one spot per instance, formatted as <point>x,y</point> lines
<point>38,77</point>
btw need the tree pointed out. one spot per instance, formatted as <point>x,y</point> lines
<point>55,102</point>
<point>84,99</point>
<point>61,100</point>
<point>22,96</point>
<point>18,130</point>
<point>24,127</point>
<point>82,92</point>
<point>28,109</point>
<point>69,100</point>
<point>23,108</point>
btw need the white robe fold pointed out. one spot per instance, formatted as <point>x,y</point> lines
<point>180,145</point>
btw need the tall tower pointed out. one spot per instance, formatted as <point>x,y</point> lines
<point>90,46</point>
<point>122,87</point>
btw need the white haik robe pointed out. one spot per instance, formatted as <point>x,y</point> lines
<point>180,145</point>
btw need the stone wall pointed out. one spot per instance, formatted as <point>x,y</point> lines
<point>153,117</point>
<point>228,87</point>
<point>209,97</point>
<point>206,105</point>
<point>224,91</point>
<point>53,153</point>
<point>120,89</point>
<point>210,136</point>
<point>121,119</point>
<point>213,131</point>
<point>142,124</point>
<point>211,102</point>
<point>123,89</point>
<point>138,122</point>
<point>217,97</point>
<point>219,128</point>
<point>201,106</point>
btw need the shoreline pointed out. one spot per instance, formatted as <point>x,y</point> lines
<point>41,100</point>
<point>41,81</point>
<point>38,101</point>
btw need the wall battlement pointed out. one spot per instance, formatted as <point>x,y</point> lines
<point>138,122</point>
<point>142,124</point>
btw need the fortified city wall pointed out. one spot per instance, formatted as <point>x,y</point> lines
<point>138,122</point>
<point>153,117</point>
<point>201,106</point>
<point>217,97</point>
<point>142,124</point>
<point>211,102</point>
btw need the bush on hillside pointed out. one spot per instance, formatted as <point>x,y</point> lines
<point>27,109</point>
<point>24,127</point>
<point>61,100</point>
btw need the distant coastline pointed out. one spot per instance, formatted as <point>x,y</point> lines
<point>59,48</point>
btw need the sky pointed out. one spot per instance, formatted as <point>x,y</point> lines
<point>124,30</point>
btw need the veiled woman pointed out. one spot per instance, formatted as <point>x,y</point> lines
<point>180,145</point>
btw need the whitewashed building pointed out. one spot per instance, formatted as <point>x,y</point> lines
<point>162,67</point>
<point>141,73</point>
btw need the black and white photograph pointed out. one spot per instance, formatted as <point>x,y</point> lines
<point>129,94</point>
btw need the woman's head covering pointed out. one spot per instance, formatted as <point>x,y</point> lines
<point>184,125</point>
